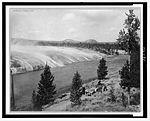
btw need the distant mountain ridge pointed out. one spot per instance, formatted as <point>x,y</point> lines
<point>70,41</point>
<point>91,41</point>
<point>20,41</point>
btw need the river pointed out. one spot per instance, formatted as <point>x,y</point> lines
<point>25,83</point>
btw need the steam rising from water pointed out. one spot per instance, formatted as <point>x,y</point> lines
<point>29,57</point>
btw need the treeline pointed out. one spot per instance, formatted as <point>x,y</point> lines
<point>107,48</point>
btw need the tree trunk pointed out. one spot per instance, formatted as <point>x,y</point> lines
<point>128,95</point>
<point>12,92</point>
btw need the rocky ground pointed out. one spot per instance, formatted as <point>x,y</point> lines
<point>97,102</point>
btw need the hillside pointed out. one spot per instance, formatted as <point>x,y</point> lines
<point>91,41</point>
<point>70,41</point>
<point>100,102</point>
<point>97,102</point>
<point>20,41</point>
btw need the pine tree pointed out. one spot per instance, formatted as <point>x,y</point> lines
<point>34,99</point>
<point>129,77</point>
<point>125,75</point>
<point>126,78</point>
<point>128,38</point>
<point>102,69</point>
<point>135,68</point>
<point>130,42</point>
<point>75,96</point>
<point>35,103</point>
<point>123,99</point>
<point>46,89</point>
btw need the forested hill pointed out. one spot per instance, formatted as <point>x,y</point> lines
<point>103,47</point>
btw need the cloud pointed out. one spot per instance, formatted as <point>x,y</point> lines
<point>71,30</point>
<point>34,31</point>
<point>98,12</point>
<point>103,24</point>
<point>68,16</point>
<point>112,29</point>
<point>100,15</point>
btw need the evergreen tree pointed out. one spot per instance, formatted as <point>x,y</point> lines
<point>135,68</point>
<point>128,38</point>
<point>75,96</point>
<point>34,99</point>
<point>123,99</point>
<point>35,103</point>
<point>125,76</point>
<point>130,42</point>
<point>129,77</point>
<point>102,69</point>
<point>46,89</point>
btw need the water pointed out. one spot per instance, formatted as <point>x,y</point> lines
<point>25,83</point>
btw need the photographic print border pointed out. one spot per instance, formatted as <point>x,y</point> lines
<point>5,115</point>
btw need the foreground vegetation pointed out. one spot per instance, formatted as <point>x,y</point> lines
<point>110,100</point>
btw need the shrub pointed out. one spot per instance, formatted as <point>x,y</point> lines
<point>135,99</point>
<point>112,95</point>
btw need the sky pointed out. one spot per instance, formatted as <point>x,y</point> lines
<point>57,24</point>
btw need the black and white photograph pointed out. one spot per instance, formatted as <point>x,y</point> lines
<point>75,59</point>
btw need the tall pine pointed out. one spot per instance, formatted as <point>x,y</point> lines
<point>130,41</point>
<point>35,103</point>
<point>125,76</point>
<point>75,96</point>
<point>102,69</point>
<point>128,38</point>
<point>46,89</point>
